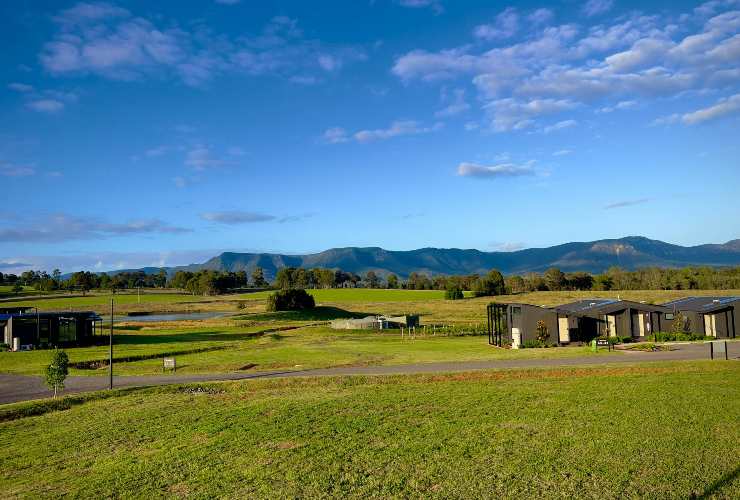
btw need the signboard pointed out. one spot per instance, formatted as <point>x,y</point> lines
<point>603,343</point>
<point>169,364</point>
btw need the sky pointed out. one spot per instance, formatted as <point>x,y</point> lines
<point>163,133</point>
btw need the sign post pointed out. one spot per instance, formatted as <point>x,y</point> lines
<point>169,363</point>
<point>603,343</point>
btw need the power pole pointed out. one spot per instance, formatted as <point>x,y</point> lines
<point>110,349</point>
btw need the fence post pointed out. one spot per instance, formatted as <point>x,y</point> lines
<point>711,350</point>
<point>726,356</point>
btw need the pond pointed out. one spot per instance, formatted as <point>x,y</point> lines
<point>183,316</point>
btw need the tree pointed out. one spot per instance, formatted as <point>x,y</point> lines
<point>284,278</point>
<point>258,277</point>
<point>293,299</point>
<point>17,288</point>
<point>372,279</point>
<point>554,279</point>
<point>453,292</point>
<point>491,284</point>
<point>392,281</point>
<point>57,371</point>
<point>515,284</point>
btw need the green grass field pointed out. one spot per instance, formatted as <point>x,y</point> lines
<point>302,348</point>
<point>656,431</point>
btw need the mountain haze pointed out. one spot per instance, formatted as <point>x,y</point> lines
<point>596,256</point>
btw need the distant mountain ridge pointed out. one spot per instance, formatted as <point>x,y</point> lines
<point>631,252</point>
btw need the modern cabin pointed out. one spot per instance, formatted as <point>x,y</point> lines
<point>48,329</point>
<point>709,316</point>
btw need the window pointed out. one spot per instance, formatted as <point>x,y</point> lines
<point>669,316</point>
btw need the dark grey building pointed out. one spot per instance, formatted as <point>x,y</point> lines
<point>710,316</point>
<point>49,329</point>
<point>584,320</point>
<point>578,321</point>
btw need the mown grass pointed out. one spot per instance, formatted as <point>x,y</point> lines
<point>657,431</point>
<point>300,348</point>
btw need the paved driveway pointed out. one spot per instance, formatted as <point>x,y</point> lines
<point>15,388</point>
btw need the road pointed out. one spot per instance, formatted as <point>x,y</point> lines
<point>14,388</point>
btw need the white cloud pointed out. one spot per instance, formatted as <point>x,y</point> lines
<point>495,171</point>
<point>540,16</point>
<point>505,26</point>
<point>20,87</point>
<point>512,114</point>
<point>456,105</point>
<point>46,105</point>
<point>596,7</point>
<point>560,126</point>
<point>62,227</point>
<point>202,158</point>
<point>111,42</point>
<point>724,107</point>
<point>635,59</point>
<point>335,135</point>
<point>563,152</point>
<point>396,129</point>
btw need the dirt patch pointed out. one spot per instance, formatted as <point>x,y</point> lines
<point>248,366</point>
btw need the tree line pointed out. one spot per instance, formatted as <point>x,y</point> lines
<point>207,282</point>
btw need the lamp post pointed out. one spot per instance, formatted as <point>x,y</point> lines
<point>110,349</point>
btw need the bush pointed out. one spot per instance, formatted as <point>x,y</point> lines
<point>454,293</point>
<point>290,300</point>
<point>533,344</point>
<point>675,337</point>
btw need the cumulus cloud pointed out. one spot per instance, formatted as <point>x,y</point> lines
<point>559,126</point>
<point>337,135</point>
<point>512,114</point>
<point>506,246</point>
<point>540,16</point>
<point>456,105</point>
<point>64,227</point>
<point>621,63</point>
<point>505,26</point>
<point>726,106</point>
<point>494,171</point>
<point>595,7</point>
<point>626,203</point>
<point>109,41</point>
<point>46,105</point>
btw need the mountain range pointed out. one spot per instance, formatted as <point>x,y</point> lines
<point>595,256</point>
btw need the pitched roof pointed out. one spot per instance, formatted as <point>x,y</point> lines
<point>702,304</point>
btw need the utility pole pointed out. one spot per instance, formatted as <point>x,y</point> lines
<point>110,349</point>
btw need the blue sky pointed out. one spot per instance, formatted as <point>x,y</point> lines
<point>140,133</point>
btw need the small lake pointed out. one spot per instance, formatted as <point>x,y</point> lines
<point>184,316</point>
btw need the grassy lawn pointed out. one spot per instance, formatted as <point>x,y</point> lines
<point>231,348</point>
<point>655,431</point>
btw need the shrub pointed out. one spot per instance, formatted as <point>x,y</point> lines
<point>453,293</point>
<point>290,300</point>
<point>542,331</point>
